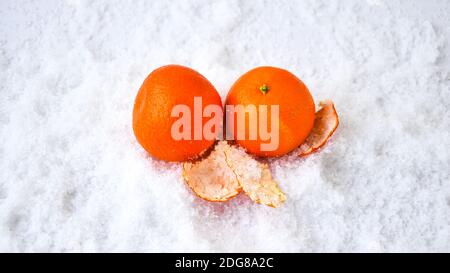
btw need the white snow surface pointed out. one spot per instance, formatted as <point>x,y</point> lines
<point>74,179</point>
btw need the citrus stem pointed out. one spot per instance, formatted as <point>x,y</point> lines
<point>264,88</point>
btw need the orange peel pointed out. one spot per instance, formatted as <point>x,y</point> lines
<point>228,170</point>
<point>211,178</point>
<point>255,178</point>
<point>325,123</point>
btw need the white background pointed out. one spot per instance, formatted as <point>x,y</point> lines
<point>73,177</point>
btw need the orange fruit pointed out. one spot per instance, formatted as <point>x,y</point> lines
<point>272,86</point>
<point>325,124</point>
<point>164,88</point>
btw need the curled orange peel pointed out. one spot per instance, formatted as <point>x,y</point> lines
<point>325,123</point>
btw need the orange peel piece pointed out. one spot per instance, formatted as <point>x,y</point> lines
<point>255,178</point>
<point>227,171</point>
<point>211,178</point>
<point>325,124</point>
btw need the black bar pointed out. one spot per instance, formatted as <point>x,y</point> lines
<point>224,262</point>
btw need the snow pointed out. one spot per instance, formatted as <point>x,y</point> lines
<point>73,177</point>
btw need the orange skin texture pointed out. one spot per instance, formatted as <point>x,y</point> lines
<point>296,107</point>
<point>164,88</point>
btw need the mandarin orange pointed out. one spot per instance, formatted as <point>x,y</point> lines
<point>163,89</point>
<point>272,86</point>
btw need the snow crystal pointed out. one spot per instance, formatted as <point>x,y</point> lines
<point>73,177</point>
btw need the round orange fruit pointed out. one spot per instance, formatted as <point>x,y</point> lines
<point>270,86</point>
<point>161,91</point>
